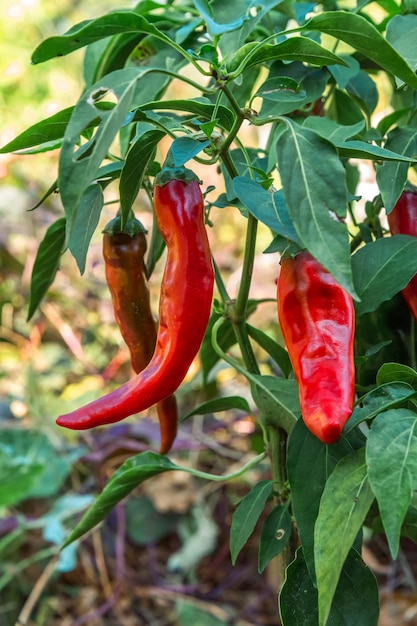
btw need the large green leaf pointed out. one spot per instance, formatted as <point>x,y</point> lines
<point>402,35</point>
<point>277,399</point>
<point>201,107</point>
<point>277,352</point>
<point>359,33</point>
<point>129,475</point>
<point>85,223</point>
<point>301,49</point>
<point>246,515</point>
<point>315,193</point>
<point>46,263</point>
<point>89,31</point>
<point>78,168</point>
<point>357,588</point>
<point>380,399</point>
<point>392,176</point>
<point>30,466</point>
<point>222,17</point>
<point>340,136</point>
<point>391,454</point>
<point>276,532</point>
<point>309,464</point>
<point>267,207</point>
<point>395,372</point>
<point>344,505</point>
<point>382,268</point>
<point>331,130</point>
<point>137,160</point>
<point>48,130</point>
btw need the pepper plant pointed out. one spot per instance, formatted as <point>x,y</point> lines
<point>325,85</point>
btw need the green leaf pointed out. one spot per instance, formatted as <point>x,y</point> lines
<point>30,466</point>
<point>140,155</point>
<point>277,400</point>
<point>78,165</point>
<point>48,130</point>
<point>201,107</point>
<point>85,223</point>
<point>89,31</point>
<point>52,189</point>
<point>316,196</point>
<point>346,500</point>
<point>357,588</point>
<point>393,474</point>
<point>276,533</point>
<point>186,148</point>
<point>134,471</point>
<point>219,404</point>
<point>309,464</point>
<point>46,263</point>
<point>359,33</point>
<point>78,170</point>
<point>301,49</point>
<point>277,352</point>
<point>267,207</point>
<point>252,10</point>
<point>364,90</point>
<point>392,176</point>
<point>402,35</point>
<point>386,396</point>
<point>394,372</point>
<point>246,515</point>
<point>355,149</point>
<point>298,596</point>
<point>331,130</point>
<point>382,268</point>
<point>343,74</point>
<point>281,89</point>
<point>221,17</point>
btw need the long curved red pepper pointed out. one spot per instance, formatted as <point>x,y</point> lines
<point>317,322</point>
<point>184,309</point>
<point>403,221</point>
<point>123,253</point>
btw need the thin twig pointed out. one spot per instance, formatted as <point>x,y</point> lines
<point>36,592</point>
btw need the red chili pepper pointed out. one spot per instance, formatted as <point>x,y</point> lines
<point>317,322</point>
<point>403,221</point>
<point>184,310</point>
<point>123,253</point>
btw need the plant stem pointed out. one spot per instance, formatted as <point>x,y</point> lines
<point>239,312</point>
<point>277,448</point>
<point>225,477</point>
<point>221,287</point>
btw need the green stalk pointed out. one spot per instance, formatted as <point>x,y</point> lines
<point>236,312</point>
<point>221,287</point>
<point>277,452</point>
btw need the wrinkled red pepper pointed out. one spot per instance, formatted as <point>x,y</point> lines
<point>403,221</point>
<point>184,309</point>
<point>317,322</point>
<point>123,252</point>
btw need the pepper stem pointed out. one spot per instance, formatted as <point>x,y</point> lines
<point>132,226</point>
